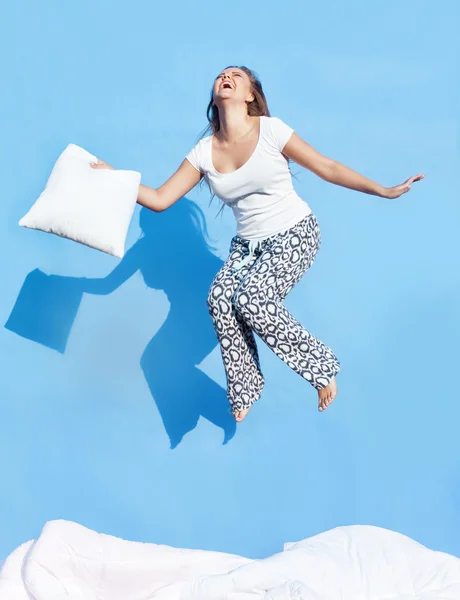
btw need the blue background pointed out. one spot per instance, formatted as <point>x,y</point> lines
<point>114,414</point>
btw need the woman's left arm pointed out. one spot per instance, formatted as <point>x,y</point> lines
<point>332,171</point>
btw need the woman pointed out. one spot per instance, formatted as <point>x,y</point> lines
<point>245,163</point>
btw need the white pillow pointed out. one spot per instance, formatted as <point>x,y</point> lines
<point>90,206</point>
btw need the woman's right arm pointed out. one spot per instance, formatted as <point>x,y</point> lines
<point>178,185</point>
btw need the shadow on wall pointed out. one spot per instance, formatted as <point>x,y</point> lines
<point>172,255</point>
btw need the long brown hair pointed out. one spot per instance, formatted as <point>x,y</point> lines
<point>257,108</point>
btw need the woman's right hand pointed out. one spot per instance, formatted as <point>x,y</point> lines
<point>100,164</point>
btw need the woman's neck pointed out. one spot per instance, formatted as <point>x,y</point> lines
<point>235,123</point>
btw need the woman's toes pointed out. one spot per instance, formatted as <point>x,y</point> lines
<point>239,416</point>
<point>326,396</point>
<point>323,401</point>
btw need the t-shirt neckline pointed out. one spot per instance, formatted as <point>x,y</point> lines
<point>249,159</point>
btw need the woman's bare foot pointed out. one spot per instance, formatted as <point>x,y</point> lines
<point>327,395</point>
<point>239,416</point>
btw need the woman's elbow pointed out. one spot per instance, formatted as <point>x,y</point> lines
<point>326,169</point>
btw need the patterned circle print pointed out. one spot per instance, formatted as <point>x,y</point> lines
<point>251,301</point>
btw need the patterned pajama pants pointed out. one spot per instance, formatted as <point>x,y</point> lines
<point>249,298</point>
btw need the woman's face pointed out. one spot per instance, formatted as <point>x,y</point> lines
<point>232,84</point>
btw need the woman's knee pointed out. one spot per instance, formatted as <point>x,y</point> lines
<point>248,301</point>
<point>219,299</point>
<point>256,305</point>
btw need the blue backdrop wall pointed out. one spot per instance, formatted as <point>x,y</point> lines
<point>113,409</point>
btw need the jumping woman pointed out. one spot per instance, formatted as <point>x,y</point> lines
<point>245,161</point>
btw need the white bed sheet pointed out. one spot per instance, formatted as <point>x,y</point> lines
<point>69,561</point>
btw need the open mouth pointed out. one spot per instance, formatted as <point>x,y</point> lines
<point>227,86</point>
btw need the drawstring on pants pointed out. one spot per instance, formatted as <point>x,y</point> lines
<point>253,247</point>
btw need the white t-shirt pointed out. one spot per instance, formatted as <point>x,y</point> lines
<point>260,192</point>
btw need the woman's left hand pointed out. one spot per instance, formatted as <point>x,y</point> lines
<point>399,190</point>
